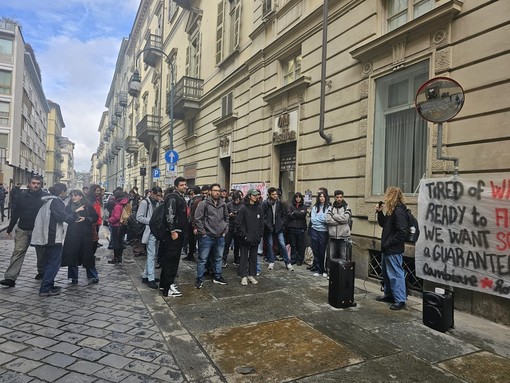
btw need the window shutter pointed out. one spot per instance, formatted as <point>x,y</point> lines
<point>199,50</point>
<point>237,24</point>
<point>188,60</point>
<point>219,32</point>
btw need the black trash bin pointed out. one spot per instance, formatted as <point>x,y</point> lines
<point>341,283</point>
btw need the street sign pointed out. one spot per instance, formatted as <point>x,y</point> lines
<point>156,173</point>
<point>171,156</point>
<point>171,167</point>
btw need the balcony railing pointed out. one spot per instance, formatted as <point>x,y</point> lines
<point>123,99</point>
<point>131,144</point>
<point>150,57</point>
<point>187,94</point>
<point>148,127</point>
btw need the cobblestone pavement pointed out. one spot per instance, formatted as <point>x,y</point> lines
<point>279,330</point>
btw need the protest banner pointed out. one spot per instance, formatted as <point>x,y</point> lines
<point>465,233</point>
<point>260,186</point>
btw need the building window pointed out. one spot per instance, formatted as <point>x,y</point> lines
<point>6,47</point>
<point>400,134</point>
<point>227,28</point>
<point>267,7</point>
<point>193,56</point>
<point>227,107</point>
<point>191,127</point>
<point>5,82</point>
<point>291,69</point>
<point>400,12</point>
<point>4,113</point>
<point>172,9</point>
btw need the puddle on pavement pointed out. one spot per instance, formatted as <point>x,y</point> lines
<point>276,351</point>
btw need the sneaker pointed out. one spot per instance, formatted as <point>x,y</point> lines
<point>317,274</point>
<point>8,282</point>
<point>252,280</point>
<point>173,292</point>
<point>325,275</point>
<point>244,281</point>
<point>271,266</point>
<point>235,263</point>
<point>39,276</point>
<point>220,281</point>
<point>93,281</point>
<point>224,264</point>
<point>289,267</point>
<point>152,285</point>
<point>52,291</point>
<point>145,280</point>
<point>74,281</point>
<point>199,284</point>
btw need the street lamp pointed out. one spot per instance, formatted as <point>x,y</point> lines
<point>135,88</point>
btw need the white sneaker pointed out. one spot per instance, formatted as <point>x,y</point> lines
<point>317,274</point>
<point>271,266</point>
<point>252,280</point>
<point>244,281</point>
<point>173,292</point>
<point>325,275</point>
<point>289,267</point>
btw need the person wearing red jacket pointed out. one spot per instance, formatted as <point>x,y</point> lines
<point>121,199</point>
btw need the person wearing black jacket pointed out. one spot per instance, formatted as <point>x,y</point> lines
<point>232,209</point>
<point>249,229</point>
<point>275,217</point>
<point>296,226</point>
<point>394,224</point>
<point>170,248</point>
<point>24,214</point>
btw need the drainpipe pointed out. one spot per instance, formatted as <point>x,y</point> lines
<point>327,137</point>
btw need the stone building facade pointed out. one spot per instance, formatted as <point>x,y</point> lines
<point>237,93</point>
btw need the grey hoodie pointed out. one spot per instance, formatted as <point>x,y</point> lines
<point>210,219</point>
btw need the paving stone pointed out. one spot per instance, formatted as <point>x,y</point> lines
<point>119,327</point>
<point>140,378</point>
<point>96,332</point>
<point>41,341</point>
<point>12,347</point>
<point>48,373</point>
<point>169,374</point>
<point>116,361</point>
<point>117,348</point>
<point>14,377</point>
<point>70,337</point>
<point>4,358</point>
<point>95,343</point>
<point>112,374</point>
<point>145,368</point>
<point>29,327</point>
<point>48,332</point>
<point>89,354</point>
<point>18,336</point>
<point>22,365</point>
<point>5,330</point>
<point>144,354</point>
<point>85,367</point>
<point>64,348</point>
<point>147,343</point>
<point>59,360</point>
<point>34,353</point>
<point>75,377</point>
<point>99,323</point>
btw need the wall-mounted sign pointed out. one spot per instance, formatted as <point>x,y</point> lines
<point>285,127</point>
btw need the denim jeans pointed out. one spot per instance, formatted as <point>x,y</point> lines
<point>229,238</point>
<point>150,263</point>
<point>53,258</point>
<point>207,245</point>
<point>281,245</point>
<point>394,277</point>
<point>72,272</point>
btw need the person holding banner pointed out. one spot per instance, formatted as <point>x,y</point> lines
<point>394,224</point>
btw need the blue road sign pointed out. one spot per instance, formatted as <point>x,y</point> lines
<point>171,156</point>
<point>156,173</point>
<point>171,167</point>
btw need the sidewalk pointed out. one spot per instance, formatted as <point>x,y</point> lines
<point>279,330</point>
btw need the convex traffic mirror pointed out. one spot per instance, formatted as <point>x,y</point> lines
<point>439,99</point>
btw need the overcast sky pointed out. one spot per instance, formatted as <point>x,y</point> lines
<point>76,43</point>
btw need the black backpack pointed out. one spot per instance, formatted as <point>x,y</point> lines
<point>413,229</point>
<point>157,223</point>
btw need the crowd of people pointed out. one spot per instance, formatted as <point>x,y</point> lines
<point>64,228</point>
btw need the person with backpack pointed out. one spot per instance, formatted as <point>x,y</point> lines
<point>175,225</point>
<point>144,215</point>
<point>394,234</point>
<point>233,208</point>
<point>116,227</point>
<point>211,219</point>
<point>338,220</point>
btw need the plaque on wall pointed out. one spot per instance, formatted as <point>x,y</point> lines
<point>225,146</point>
<point>285,127</point>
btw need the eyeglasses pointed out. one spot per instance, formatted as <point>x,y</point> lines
<point>215,190</point>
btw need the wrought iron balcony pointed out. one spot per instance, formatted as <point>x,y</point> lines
<point>187,94</point>
<point>114,149</point>
<point>148,127</point>
<point>151,56</point>
<point>118,143</point>
<point>123,99</point>
<point>118,111</point>
<point>131,144</point>
<point>114,119</point>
